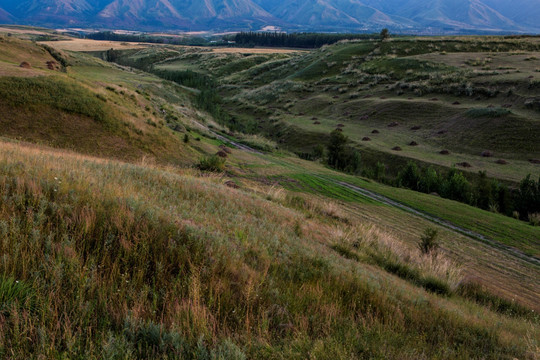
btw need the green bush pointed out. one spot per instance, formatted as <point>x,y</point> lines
<point>428,241</point>
<point>212,163</point>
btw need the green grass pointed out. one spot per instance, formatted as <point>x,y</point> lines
<point>488,112</point>
<point>55,92</point>
<point>498,227</point>
<point>400,68</point>
<point>314,185</point>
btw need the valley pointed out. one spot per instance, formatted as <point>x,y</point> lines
<point>163,201</point>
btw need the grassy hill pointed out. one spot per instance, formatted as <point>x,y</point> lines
<point>464,95</point>
<point>90,106</point>
<point>114,245</point>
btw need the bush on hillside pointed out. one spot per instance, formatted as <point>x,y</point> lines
<point>211,163</point>
<point>428,242</point>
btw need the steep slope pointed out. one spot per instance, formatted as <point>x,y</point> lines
<point>132,13</point>
<point>459,15</point>
<point>526,13</point>
<point>183,14</point>
<point>351,14</point>
<point>50,12</point>
<point>268,259</point>
<point>91,107</point>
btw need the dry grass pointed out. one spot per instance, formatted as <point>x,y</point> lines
<point>15,30</point>
<point>145,261</point>
<point>93,45</point>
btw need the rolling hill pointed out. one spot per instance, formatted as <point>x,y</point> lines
<point>135,224</point>
<point>443,16</point>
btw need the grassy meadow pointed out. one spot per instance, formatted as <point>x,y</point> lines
<point>116,244</point>
<point>118,260</point>
<point>464,95</point>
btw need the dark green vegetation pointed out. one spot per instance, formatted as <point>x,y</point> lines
<point>293,40</point>
<point>174,252</point>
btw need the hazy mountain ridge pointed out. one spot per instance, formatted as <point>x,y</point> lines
<point>413,15</point>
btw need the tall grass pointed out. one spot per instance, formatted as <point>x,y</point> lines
<point>131,261</point>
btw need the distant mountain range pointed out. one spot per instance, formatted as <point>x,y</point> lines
<point>425,16</point>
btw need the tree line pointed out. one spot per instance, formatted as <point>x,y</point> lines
<point>483,192</point>
<point>294,40</point>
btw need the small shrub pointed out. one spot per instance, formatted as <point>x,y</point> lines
<point>488,112</point>
<point>186,138</point>
<point>211,163</point>
<point>298,229</point>
<point>534,219</point>
<point>437,286</point>
<point>428,241</point>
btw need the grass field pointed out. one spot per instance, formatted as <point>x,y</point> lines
<point>160,285</point>
<point>114,245</point>
<point>93,45</point>
<point>465,95</point>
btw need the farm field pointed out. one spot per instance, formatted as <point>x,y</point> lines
<point>157,218</point>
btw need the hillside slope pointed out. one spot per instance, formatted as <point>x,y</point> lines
<point>115,246</point>
<point>87,105</point>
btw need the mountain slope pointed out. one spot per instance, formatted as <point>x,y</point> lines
<point>5,17</point>
<point>183,14</point>
<point>526,14</point>
<point>343,15</point>
<point>144,260</point>
<point>459,14</point>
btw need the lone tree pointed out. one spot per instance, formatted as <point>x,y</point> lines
<point>340,156</point>
<point>385,34</point>
<point>336,150</point>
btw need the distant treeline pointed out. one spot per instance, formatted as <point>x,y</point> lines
<point>295,40</point>
<point>154,39</point>
<point>483,192</point>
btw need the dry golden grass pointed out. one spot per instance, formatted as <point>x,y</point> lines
<point>15,30</point>
<point>14,52</point>
<point>154,251</point>
<point>101,45</point>
<point>93,45</point>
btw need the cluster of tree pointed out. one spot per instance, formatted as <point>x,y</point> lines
<point>527,198</point>
<point>153,39</point>
<point>483,192</point>
<point>340,156</point>
<point>187,78</point>
<point>294,40</point>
